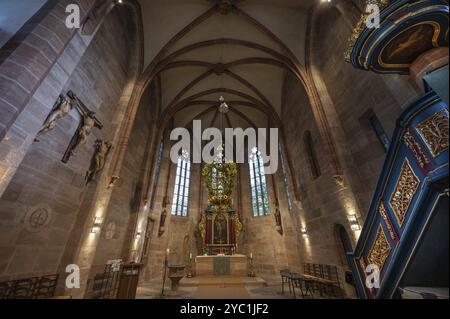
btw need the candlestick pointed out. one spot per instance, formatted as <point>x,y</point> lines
<point>166,264</point>
<point>189,267</point>
<point>251,272</point>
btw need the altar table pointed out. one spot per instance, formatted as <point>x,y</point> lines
<point>235,265</point>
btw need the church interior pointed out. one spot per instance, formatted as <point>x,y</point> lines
<point>96,201</point>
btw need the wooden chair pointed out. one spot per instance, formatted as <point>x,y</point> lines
<point>5,289</point>
<point>285,279</point>
<point>46,287</point>
<point>326,279</point>
<point>317,270</point>
<point>23,288</point>
<point>335,288</point>
<point>305,285</point>
<point>29,288</point>
<point>98,287</point>
<point>308,269</point>
<point>105,285</point>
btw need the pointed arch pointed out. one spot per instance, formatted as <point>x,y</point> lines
<point>292,62</point>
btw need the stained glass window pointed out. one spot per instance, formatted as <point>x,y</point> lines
<point>157,171</point>
<point>379,131</point>
<point>180,200</point>
<point>260,196</point>
<point>286,181</point>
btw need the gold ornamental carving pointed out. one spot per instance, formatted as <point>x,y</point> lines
<point>387,222</point>
<point>404,192</point>
<point>434,131</point>
<point>361,25</point>
<point>363,265</point>
<point>416,149</point>
<point>202,227</point>
<point>380,250</point>
<point>238,226</point>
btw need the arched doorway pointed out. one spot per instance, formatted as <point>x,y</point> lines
<point>344,243</point>
<point>344,246</point>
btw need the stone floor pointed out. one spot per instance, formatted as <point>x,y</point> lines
<point>215,288</point>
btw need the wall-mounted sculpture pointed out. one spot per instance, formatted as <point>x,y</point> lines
<point>98,160</point>
<point>278,221</point>
<point>61,108</point>
<point>162,220</point>
<point>87,123</point>
<point>37,218</point>
<point>110,230</point>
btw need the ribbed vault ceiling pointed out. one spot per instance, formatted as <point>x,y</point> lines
<point>224,55</point>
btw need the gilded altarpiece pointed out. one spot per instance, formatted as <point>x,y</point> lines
<point>219,225</point>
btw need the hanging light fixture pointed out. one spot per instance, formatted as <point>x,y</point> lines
<point>223,108</point>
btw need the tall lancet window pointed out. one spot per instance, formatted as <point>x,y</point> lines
<point>180,200</point>
<point>260,196</point>
<point>286,180</point>
<point>157,171</point>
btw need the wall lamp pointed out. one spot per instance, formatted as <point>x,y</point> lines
<point>97,225</point>
<point>354,223</point>
<point>304,233</point>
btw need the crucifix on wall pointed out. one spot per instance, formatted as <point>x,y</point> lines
<point>60,110</point>
<point>87,123</point>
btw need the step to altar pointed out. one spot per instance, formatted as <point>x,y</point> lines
<point>223,281</point>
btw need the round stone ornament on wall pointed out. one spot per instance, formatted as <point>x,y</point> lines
<point>37,218</point>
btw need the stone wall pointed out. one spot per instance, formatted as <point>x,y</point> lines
<point>271,250</point>
<point>33,72</point>
<point>323,204</point>
<point>180,234</point>
<point>317,194</point>
<point>119,241</point>
<point>33,243</point>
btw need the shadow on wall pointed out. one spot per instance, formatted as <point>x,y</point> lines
<point>14,14</point>
<point>3,36</point>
